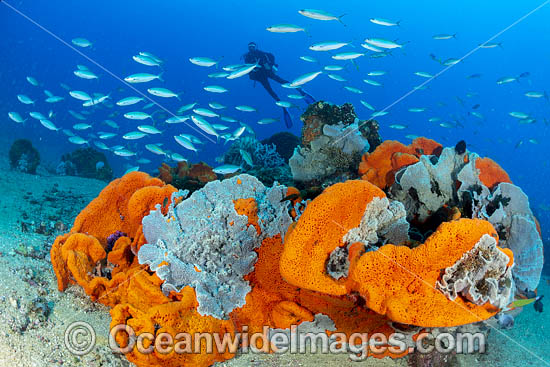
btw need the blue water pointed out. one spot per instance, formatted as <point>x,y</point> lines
<point>175,31</point>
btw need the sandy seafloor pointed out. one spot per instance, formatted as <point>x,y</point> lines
<point>34,315</point>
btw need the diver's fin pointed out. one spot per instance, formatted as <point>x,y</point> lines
<point>288,119</point>
<point>308,98</point>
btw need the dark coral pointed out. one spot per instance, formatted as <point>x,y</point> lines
<point>113,238</point>
<point>343,163</point>
<point>331,114</point>
<point>262,155</point>
<point>23,156</point>
<point>460,147</point>
<point>87,162</point>
<point>284,142</point>
<point>268,175</point>
<point>269,164</point>
<point>233,154</point>
<point>369,129</point>
<point>187,176</point>
<point>320,114</point>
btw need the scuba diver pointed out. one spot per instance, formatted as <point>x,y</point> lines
<point>265,71</point>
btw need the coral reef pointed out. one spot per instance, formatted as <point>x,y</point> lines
<point>427,185</point>
<point>119,208</point>
<point>116,279</point>
<point>400,282</point>
<point>268,176</point>
<point>276,303</point>
<point>268,165</point>
<point>490,173</point>
<point>320,114</point>
<point>218,263</point>
<point>263,155</point>
<point>337,150</point>
<point>382,222</point>
<point>333,139</point>
<point>428,238</point>
<point>85,162</point>
<point>171,318</point>
<point>320,230</point>
<point>391,278</point>
<point>507,208</point>
<point>267,156</point>
<point>430,182</point>
<point>23,156</point>
<point>233,154</point>
<point>136,296</point>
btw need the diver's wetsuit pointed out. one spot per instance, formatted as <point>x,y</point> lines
<point>264,72</point>
<point>261,74</point>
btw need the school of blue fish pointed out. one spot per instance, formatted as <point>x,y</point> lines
<point>138,123</point>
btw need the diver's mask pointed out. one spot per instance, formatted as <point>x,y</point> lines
<point>252,47</point>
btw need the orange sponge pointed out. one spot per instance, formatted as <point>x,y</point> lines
<point>172,318</point>
<point>490,173</point>
<point>119,207</point>
<point>399,282</point>
<point>111,212</point>
<point>320,230</point>
<point>379,167</point>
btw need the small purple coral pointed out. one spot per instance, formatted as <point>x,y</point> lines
<point>113,238</point>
